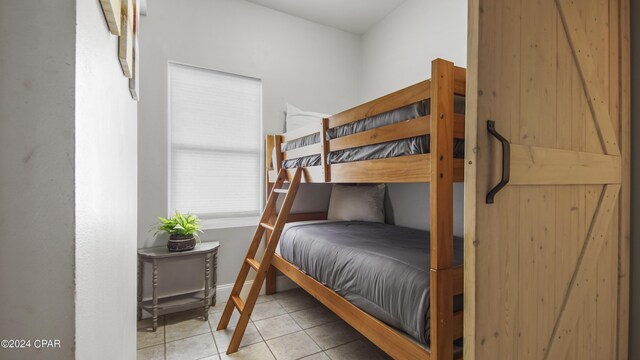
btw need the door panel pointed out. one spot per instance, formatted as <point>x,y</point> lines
<point>542,268</point>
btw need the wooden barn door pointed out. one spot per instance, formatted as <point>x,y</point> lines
<point>546,264</point>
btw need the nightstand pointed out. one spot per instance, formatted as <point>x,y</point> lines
<point>208,251</point>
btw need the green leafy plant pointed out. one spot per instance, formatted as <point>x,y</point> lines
<point>179,224</point>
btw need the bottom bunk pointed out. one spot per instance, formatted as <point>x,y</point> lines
<point>375,276</point>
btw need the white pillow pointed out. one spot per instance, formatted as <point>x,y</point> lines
<point>273,159</point>
<point>297,118</point>
<point>357,203</point>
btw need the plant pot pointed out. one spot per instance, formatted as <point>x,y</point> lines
<point>181,242</point>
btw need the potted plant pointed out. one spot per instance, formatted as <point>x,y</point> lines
<point>182,229</point>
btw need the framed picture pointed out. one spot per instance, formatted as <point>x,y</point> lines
<point>134,82</point>
<point>125,46</point>
<point>112,10</point>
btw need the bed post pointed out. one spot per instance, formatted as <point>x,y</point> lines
<point>272,143</point>
<point>441,202</point>
<point>324,154</point>
<point>277,140</point>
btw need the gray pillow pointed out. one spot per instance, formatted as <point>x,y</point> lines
<point>357,203</point>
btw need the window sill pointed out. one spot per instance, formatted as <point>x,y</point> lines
<point>226,223</point>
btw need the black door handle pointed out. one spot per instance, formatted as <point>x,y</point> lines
<point>506,161</point>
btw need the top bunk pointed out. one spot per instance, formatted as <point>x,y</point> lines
<point>410,135</point>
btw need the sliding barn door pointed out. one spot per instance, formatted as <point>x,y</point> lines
<point>546,263</point>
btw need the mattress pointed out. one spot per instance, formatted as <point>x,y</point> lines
<point>382,269</point>
<point>411,146</point>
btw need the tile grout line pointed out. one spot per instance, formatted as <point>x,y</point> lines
<point>193,335</point>
<point>164,336</point>
<point>271,351</point>
<point>337,346</point>
<point>314,341</point>
<point>215,343</point>
<point>306,333</point>
<point>279,336</point>
<point>316,353</point>
<point>265,341</point>
<point>313,327</point>
<point>151,345</point>
<point>287,312</point>
<point>323,324</point>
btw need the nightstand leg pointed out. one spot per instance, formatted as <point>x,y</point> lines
<point>140,277</point>
<point>155,295</point>
<point>207,284</point>
<point>215,278</point>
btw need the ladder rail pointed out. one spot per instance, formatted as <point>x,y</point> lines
<point>250,262</point>
<point>251,252</point>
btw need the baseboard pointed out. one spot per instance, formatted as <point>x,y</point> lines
<point>223,291</point>
<point>283,283</point>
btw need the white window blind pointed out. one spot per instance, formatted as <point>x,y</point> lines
<point>215,143</point>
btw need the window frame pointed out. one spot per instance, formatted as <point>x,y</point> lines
<point>211,221</point>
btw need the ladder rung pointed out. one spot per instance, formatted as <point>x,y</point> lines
<point>267,226</point>
<point>253,263</point>
<point>281,191</point>
<point>237,302</point>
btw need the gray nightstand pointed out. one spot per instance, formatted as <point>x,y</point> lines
<point>208,251</point>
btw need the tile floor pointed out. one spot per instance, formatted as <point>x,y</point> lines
<point>285,326</point>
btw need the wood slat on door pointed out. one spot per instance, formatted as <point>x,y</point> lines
<point>540,165</point>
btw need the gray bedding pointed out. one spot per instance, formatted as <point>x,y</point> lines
<point>411,146</point>
<point>305,161</point>
<point>411,111</point>
<point>383,269</point>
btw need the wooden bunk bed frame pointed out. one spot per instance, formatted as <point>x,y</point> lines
<point>439,168</point>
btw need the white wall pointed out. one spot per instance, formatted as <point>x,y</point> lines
<point>396,53</point>
<point>310,65</point>
<point>37,67</point>
<point>106,194</point>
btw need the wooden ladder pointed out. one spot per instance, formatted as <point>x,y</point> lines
<point>261,267</point>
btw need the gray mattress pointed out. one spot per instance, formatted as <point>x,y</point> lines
<point>383,269</point>
<point>411,146</point>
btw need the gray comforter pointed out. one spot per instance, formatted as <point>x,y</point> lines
<point>382,269</point>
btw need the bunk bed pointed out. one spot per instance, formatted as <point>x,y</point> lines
<point>412,135</point>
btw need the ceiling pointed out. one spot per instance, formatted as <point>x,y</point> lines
<point>356,16</point>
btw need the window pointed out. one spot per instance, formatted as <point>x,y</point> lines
<point>215,145</point>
